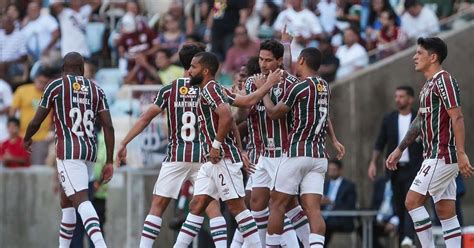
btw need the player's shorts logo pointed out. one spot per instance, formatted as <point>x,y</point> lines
<point>76,86</point>
<point>183,90</point>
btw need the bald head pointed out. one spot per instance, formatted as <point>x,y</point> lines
<point>73,63</point>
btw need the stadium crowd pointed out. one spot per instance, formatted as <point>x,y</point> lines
<point>142,48</point>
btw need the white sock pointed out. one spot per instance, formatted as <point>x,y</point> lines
<point>68,223</point>
<point>316,240</point>
<point>261,218</point>
<point>422,222</point>
<point>91,223</point>
<point>151,229</point>
<point>288,237</point>
<point>451,232</point>
<point>219,231</point>
<point>272,240</point>
<point>300,223</point>
<point>188,231</point>
<point>238,240</point>
<point>248,228</point>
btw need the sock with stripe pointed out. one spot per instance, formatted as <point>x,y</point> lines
<point>288,237</point>
<point>316,240</point>
<point>189,230</point>
<point>91,223</point>
<point>451,232</point>
<point>300,223</point>
<point>272,240</point>
<point>422,223</point>
<point>68,223</point>
<point>219,231</point>
<point>238,240</point>
<point>248,228</point>
<point>261,218</point>
<point>151,229</point>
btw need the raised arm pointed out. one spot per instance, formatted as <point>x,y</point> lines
<point>457,122</point>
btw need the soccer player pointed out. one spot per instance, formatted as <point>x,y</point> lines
<point>273,135</point>
<point>77,103</point>
<point>302,171</point>
<point>441,125</point>
<point>220,177</point>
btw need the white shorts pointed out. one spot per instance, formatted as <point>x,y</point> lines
<point>223,180</point>
<point>74,175</point>
<point>172,176</point>
<point>436,178</point>
<point>265,172</point>
<point>303,175</point>
<point>248,186</point>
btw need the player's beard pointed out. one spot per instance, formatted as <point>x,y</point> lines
<point>196,80</point>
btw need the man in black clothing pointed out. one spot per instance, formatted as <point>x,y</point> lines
<point>393,129</point>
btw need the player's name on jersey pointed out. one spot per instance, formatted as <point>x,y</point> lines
<point>79,100</point>
<point>183,104</point>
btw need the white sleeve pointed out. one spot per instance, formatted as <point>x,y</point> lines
<point>314,23</point>
<point>7,95</point>
<point>361,58</point>
<point>51,23</point>
<point>432,20</point>
<point>279,22</point>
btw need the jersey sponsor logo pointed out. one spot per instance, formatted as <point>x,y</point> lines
<point>260,107</point>
<point>425,110</point>
<point>321,88</point>
<point>186,92</point>
<point>76,86</point>
<point>183,90</point>
<point>323,101</point>
<point>79,88</point>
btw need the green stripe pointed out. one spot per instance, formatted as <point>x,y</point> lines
<point>452,230</point>
<point>262,226</point>
<point>192,228</point>
<point>422,222</point>
<point>156,232</point>
<point>302,223</point>
<point>247,227</point>
<point>91,225</point>
<point>67,231</point>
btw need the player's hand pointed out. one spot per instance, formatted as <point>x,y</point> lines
<point>372,171</point>
<point>121,154</point>
<point>285,36</point>
<point>464,165</point>
<point>107,173</point>
<point>341,150</point>
<point>215,155</point>
<point>260,80</point>
<point>393,159</point>
<point>27,145</point>
<point>249,168</point>
<point>275,76</point>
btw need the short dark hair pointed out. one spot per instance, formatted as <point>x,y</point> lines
<point>167,52</point>
<point>434,45</point>
<point>410,3</point>
<point>274,46</point>
<point>337,162</point>
<point>252,67</point>
<point>312,56</point>
<point>13,120</point>
<point>209,61</point>
<point>187,53</point>
<point>408,89</point>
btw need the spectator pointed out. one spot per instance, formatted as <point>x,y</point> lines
<point>12,152</point>
<point>339,194</point>
<point>13,56</point>
<point>225,18</point>
<point>390,38</point>
<point>170,38</point>
<point>386,222</point>
<point>164,72</point>
<point>25,101</point>
<point>327,13</point>
<point>14,12</point>
<point>240,52</point>
<point>352,56</point>
<point>442,8</point>
<point>394,127</point>
<point>377,7</point>
<point>301,23</point>
<point>5,103</point>
<point>41,31</point>
<point>73,22</point>
<point>329,62</point>
<point>196,23</point>
<point>132,43</point>
<point>419,20</point>
<point>268,16</point>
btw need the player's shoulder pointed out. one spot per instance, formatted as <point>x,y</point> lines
<point>291,78</point>
<point>54,83</point>
<point>443,78</point>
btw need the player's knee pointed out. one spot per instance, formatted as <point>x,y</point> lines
<point>411,203</point>
<point>258,202</point>
<point>197,206</point>
<point>213,209</point>
<point>236,206</point>
<point>158,206</point>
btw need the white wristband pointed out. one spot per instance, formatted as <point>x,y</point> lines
<point>216,144</point>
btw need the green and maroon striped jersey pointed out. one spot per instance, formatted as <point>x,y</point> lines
<point>180,100</point>
<point>273,134</point>
<point>309,101</point>
<point>211,96</point>
<point>437,96</point>
<point>76,101</point>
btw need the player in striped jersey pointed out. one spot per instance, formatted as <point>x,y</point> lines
<point>77,103</point>
<point>302,172</point>
<point>184,154</point>
<point>441,125</point>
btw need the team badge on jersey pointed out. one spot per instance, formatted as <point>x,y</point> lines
<point>277,92</point>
